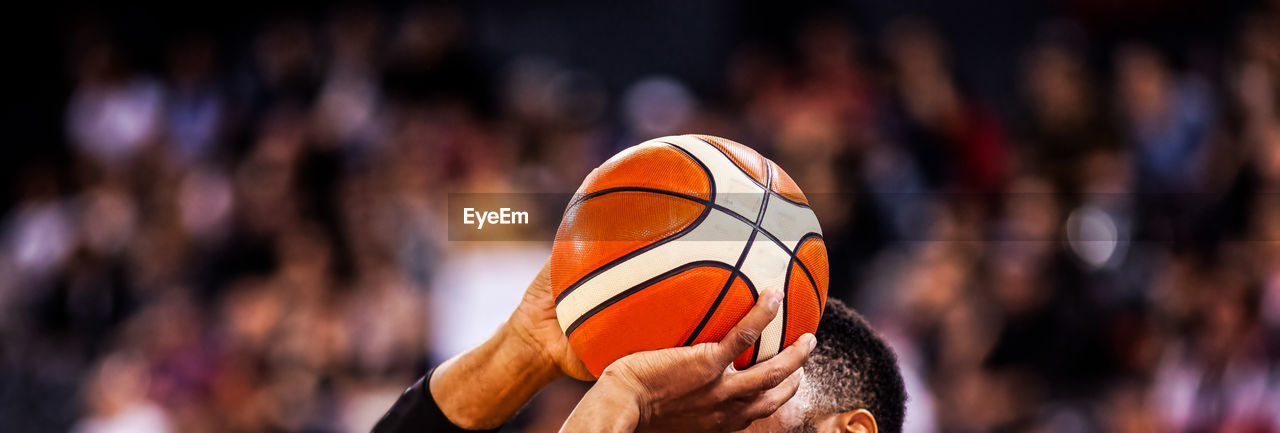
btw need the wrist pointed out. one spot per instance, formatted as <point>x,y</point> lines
<point>482,387</point>
<point>610,406</point>
<point>517,343</point>
<point>627,395</point>
<point>516,336</point>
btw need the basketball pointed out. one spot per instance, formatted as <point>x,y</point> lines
<point>670,242</point>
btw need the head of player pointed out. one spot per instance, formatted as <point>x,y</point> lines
<point>851,382</point>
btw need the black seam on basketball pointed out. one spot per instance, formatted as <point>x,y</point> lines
<point>755,348</point>
<point>711,182</point>
<point>755,352</point>
<point>804,268</point>
<point>755,356</point>
<point>735,164</point>
<point>786,301</point>
<point>787,284</point>
<point>778,194</point>
<point>723,291</point>
<point>616,189</point>
<point>784,198</point>
<point>750,285</point>
<point>638,287</point>
<point>764,204</point>
<point>753,225</point>
<point>773,238</point>
<point>638,251</point>
<point>711,202</point>
<point>698,200</point>
<point>753,179</point>
<point>755,297</point>
<point>737,268</point>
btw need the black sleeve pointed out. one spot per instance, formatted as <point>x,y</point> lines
<point>416,411</point>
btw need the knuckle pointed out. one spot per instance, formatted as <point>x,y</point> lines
<point>775,376</point>
<point>708,355</point>
<point>764,408</point>
<point>720,394</point>
<point>748,336</point>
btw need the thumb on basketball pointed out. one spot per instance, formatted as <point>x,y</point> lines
<point>748,330</point>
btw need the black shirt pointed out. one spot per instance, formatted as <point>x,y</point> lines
<point>417,411</point>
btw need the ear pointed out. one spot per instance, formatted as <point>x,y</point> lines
<point>857,421</point>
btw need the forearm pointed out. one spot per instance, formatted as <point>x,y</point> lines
<point>482,387</point>
<point>605,408</point>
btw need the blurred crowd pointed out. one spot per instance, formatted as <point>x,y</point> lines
<point>252,238</point>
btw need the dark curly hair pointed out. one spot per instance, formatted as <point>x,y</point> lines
<point>853,368</point>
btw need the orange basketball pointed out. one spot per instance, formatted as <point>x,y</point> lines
<point>670,242</point>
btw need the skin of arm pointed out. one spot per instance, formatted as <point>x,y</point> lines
<point>482,387</point>
<point>608,407</point>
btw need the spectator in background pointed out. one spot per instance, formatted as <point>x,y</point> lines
<point>1066,117</point>
<point>114,112</point>
<point>1167,121</point>
<point>196,102</point>
<point>118,399</point>
<point>956,143</point>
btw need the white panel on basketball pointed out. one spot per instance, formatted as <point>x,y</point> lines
<point>766,267</point>
<point>789,222</point>
<point>772,336</point>
<point>735,190</point>
<point>719,237</point>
